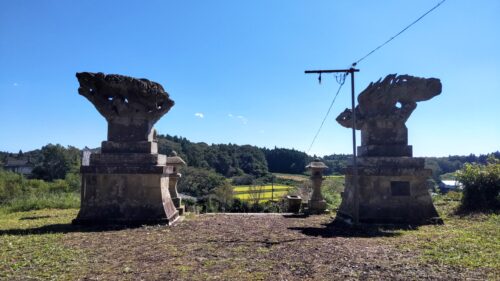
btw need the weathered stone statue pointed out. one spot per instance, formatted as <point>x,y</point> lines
<point>392,183</point>
<point>128,181</point>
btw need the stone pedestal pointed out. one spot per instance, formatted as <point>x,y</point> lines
<point>391,190</point>
<point>128,182</point>
<point>123,187</point>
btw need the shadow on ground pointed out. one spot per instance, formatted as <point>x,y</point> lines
<point>339,229</point>
<point>64,228</point>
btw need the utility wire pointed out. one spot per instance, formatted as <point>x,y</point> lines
<point>340,79</point>
<point>399,33</point>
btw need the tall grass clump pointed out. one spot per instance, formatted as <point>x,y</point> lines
<point>331,189</point>
<point>20,194</point>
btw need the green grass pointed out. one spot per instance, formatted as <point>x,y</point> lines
<point>249,193</point>
<point>293,177</point>
<point>335,177</point>
<point>469,241</point>
<point>331,188</point>
<point>248,188</point>
<point>58,200</point>
<point>264,196</point>
<point>33,255</point>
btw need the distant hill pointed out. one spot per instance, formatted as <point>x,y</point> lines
<point>232,160</point>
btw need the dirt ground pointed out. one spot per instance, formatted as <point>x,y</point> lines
<point>256,247</point>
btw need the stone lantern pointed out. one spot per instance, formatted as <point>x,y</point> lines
<point>175,162</point>
<point>317,203</point>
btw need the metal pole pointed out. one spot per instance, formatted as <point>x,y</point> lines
<point>355,185</point>
<point>355,164</point>
<point>272,189</point>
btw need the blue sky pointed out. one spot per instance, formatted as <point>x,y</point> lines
<point>236,68</point>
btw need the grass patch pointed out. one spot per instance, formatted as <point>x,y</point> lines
<point>293,177</point>
<point>248,188</point>
<point>36,256</point>
<point>59,200</point>
<point>261,193</point>
<point>335,177</point>
<point>262,196</point>
<point>467,241</point>
<point>331,188</point>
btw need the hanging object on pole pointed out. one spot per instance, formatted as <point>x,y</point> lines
<point>345,72</point>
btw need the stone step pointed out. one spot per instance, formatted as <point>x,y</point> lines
<point>129,169</point>
<point>129,147</point>
<point>123,159</point>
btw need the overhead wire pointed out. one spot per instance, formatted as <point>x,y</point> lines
<point>341,78</point>
<point>399,33</point>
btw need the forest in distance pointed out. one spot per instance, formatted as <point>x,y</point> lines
<point>212,173</point>
<point>229,160</point>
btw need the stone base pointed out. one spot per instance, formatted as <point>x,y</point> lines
<point>385,150</point>
<point>392,190</point>
<point>317,207</point>
<point>125,198</point>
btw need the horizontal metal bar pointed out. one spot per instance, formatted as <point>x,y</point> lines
<point>350,70</point>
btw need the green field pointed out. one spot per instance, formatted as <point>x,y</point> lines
<point>293,177</point>
<point>335,177</point>
<point>262,193</point>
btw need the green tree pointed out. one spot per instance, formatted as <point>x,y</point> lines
<point>282,160</point>
<point>56,161</point>
<point>224,195</point>
<point>481,186</point>
<point>199,182</point>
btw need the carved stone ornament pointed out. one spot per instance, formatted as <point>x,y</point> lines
<point>131,106</point>
<point>385,106</point>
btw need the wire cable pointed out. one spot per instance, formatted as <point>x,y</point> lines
<point>341,81</point>
<point>399,33</point>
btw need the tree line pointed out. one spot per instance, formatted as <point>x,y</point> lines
<point>228,160</point>
<point>212,169</point>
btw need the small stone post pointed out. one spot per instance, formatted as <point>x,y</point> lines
<point>175,162</point>
<point>317,203</point>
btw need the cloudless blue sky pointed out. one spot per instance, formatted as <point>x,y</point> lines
<point>236,68</point>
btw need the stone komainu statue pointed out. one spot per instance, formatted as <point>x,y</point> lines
<point>131,106</point>
<point>392,185</point>
<point>383,109</point>
<point>128,182</point>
